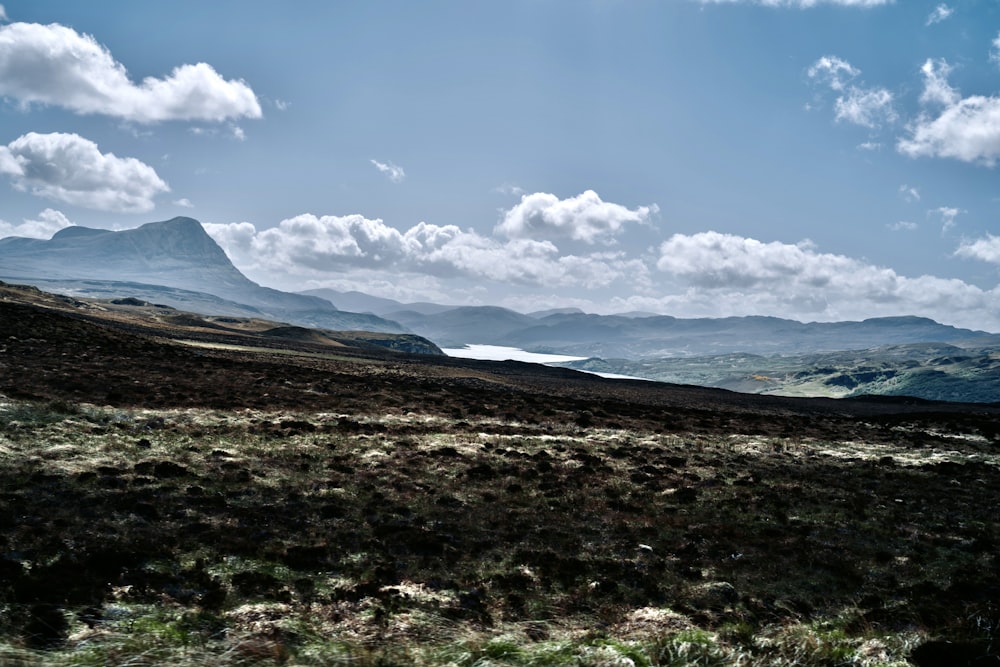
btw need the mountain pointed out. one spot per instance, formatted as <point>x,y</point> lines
<point>366,303</point>
<point>630,337</point>
<point>151,262</point>
<point>467,324</point>
<point>539,314</point>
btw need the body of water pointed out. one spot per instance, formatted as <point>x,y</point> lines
<point>502,353</point>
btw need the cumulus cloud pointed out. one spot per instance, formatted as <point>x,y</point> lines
<point>71,169</point>
<point>941,13</point>
<point>986,249</point>
<point>584,217</point>
<point>327,245</point>
<point>966,129</point>
<point>3,14</point>
<point>706,274</point>
<point>734,275</point>
<point>392,171</point>
<point>860,105</point>
<point>183,202</point>
<point>55,65</point>
<point>48,223</point>
<point>803,4</point>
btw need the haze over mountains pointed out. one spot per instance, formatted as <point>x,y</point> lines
<point>177,263</point>
<point>643,335</point>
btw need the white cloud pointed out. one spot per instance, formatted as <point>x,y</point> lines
<point>941,13</point>
<point>392,171</point>
<point>967,129</point>
<point>909,194</point>
<point>584,217</point>
<point>509,189</point>
<point>3,14</point>
<point>700,275</point>
<point>987,249</point>
<point>995,50</point>
<point>865,107</point>
<point>947,214</point>
<point>860,105</point>
<point>733,275</point>
<point>71,169</point>
<point>902,226</point>
<point>48,223</point>
<point>803,4</point>
<point>870,146</point>
<point>318,247</point>
<point>9,164</point>
<point>183,202</point>
<point>53,64</point>
<point>833,71</point>
<point>937,90</point>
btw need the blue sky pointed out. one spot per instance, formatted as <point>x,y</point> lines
<point>812,159</point>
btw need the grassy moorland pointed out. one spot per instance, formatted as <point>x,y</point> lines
<point>165,503</point>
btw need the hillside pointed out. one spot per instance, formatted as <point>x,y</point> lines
<point>934,371</point>
<point>190,490</point>
<point>638,336</point>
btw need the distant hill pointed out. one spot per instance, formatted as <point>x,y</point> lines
<point>175,254</point>
<point>631,337</point>
<point>933,371</point>
<point>366,303</point>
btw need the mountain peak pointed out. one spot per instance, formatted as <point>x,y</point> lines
<point>181,221</point>
<point>76,232</point>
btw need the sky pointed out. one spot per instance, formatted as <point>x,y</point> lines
<point>818,160</point>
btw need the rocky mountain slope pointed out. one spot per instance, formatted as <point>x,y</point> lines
<point>176,254</point>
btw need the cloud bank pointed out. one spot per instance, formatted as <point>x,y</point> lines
<point>48,223</point>
<point>707,274</point>
<point>55,65</point>
<point>68,168</point>
<point>321,246</point>
<point>727,274</point>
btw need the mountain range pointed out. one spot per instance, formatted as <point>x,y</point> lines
<point>644,335</point>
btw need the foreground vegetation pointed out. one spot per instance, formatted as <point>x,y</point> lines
<point>232,537</point>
